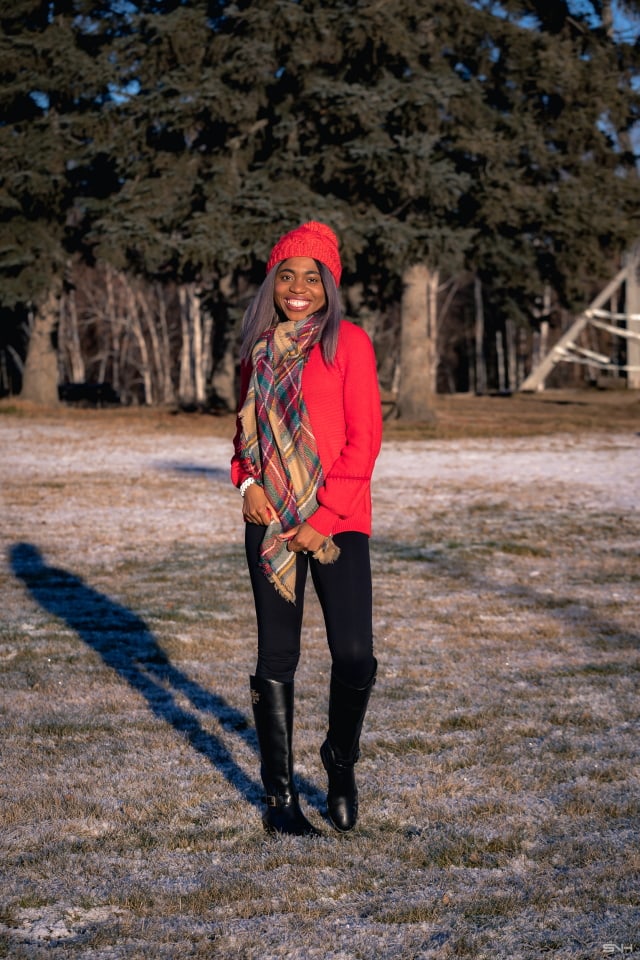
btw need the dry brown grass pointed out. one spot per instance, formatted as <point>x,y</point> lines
<point>455,416</point>
<point>499,775</point>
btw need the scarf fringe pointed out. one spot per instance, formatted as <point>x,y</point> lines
<point>327,553</point>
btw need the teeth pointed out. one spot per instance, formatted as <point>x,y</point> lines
<point>297,303</point>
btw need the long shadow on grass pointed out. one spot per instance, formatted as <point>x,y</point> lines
<point>126,644</point>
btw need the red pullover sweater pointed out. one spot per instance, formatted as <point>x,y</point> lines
<point>343,400</point>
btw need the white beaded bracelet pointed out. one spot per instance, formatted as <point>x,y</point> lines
<point>244,486</point>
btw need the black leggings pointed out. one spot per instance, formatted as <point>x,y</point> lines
<point>344,592</point>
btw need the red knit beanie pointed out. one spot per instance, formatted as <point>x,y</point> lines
<point>312,239</point>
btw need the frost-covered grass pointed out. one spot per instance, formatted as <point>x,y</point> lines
<point>499,778</point>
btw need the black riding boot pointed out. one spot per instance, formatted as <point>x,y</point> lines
<point>341,750</point>
<point>273,713</point>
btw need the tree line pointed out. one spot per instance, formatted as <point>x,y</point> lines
<point>476,158</point>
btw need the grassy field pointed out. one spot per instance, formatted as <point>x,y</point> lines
<point>500,770</point>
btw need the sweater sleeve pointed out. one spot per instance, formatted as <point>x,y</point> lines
<point>349,477</point>
<point>238,473</point>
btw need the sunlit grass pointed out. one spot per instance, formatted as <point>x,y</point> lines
<point>499,771</point>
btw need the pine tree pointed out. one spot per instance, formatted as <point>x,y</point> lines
<point>55,79</point>
<point>446,135</point>
<point>352,127</point>
<point>557,190</point>
<point>177,140</point>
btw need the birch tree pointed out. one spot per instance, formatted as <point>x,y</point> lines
<point>195,348</point>
<point>69,341</point>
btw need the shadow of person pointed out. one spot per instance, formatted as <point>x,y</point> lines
<point>126,644</point>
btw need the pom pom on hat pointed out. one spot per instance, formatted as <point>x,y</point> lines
<point>312,239</point>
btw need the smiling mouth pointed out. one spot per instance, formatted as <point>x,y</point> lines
<point>297,304</point>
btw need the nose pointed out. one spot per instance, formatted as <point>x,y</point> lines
<point>297,284</point>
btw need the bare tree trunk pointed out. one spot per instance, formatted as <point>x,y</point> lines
<point>144,312</point>
<point>196,350</point>
<point>40,375</point>
<point>433,285</point>
<point>395,379</point>
<point>512,355</point>
<point>418,356</point>
<point>607,19</point>
<point>481,369</point>
<point>102,368</point>
<point>114,327</point>
<point>162,386</point>
<point>368,319</point>
<point>5,379</point>
<point>135,326</point>
<point>207,350</point>
<point>543,344</point>
<point>223,380</point>
<point>471,363</point>
<point>502,380</point>
<point>523,351</point>
<point>195,314</point>
<point>168,392</point>
<point>145,366</point>
<point>69,338</point>
<point>186,388</point>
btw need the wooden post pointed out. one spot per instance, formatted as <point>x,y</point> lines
<point>632,309</point>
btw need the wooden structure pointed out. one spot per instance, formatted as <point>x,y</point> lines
<point>571,348</point>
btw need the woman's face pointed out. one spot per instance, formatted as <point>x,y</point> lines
<point>298,288</point>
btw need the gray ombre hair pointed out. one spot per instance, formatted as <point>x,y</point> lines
<point>261,314</point>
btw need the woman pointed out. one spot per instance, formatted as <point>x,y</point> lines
<point>308,433</point>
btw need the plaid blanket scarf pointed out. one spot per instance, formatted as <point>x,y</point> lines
<point>278,447</point>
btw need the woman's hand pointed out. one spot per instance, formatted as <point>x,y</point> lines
<point>256,507</point>
<point>303,539</point>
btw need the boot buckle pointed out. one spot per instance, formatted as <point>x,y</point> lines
<point>280,800</point>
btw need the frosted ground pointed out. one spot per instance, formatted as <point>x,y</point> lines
<point>499,777</point>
